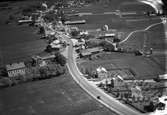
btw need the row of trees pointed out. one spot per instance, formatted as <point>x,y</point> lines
<point>34,73</point>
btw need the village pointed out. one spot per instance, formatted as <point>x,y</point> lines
<point>53,25</point>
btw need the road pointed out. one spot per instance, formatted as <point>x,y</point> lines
<point>91,89</point>
<point>141,30</point>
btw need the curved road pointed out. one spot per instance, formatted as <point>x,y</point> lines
<point>91,89</point>
<point>142,30</point>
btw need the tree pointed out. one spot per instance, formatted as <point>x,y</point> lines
<point>48,48</point>
<point>75,33</point>
<point>4,72</point>
<point>21,78</point>
<point>43,72</point>
<point>60,70</point>
<point>5,81</point>
<point>41,30</point>
<point>150,107</point>
<point>116,40</point>
<point>107,46</point>
<point>51,16</point>
<point>60,59</point>
<point>117,93</point>
<point>112,83</point>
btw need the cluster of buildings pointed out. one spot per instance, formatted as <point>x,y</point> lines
<point>132,88</point>
<point>16,69</point>
<point>52,31</point>
<point>20,68</point>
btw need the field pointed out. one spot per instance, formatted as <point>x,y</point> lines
<point>60,96</point>
<point>98,20</point>
<point>57,96</point>
<point>155,38</point>
<point>142,67</point>
<point>17,42</point>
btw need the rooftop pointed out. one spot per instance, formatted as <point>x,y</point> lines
<point>89,51</point>
<point>101,69</point>
<point>14,66</point>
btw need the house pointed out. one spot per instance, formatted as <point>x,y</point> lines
<point>136,93</point>
<point>90,51</point>
<point>84,33</point>
<point>117,80</point>
<point>29,20</point>
<point>75,22</point>
<point>41,60</point>
<point>101,72</point>
<point>56,44</point>
<point>105,28</point>
<point>75,42</point>
<point>43,57</point>
<point>16,69</point>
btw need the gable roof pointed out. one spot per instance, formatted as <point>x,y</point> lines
<point>15,66</point>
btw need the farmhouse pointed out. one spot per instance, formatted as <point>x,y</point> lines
<point>16,69</point>
<point>90,51</point>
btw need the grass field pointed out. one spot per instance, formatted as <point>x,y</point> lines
<point>143,68</point>
<point>57,96</point>
<point>17,42</point>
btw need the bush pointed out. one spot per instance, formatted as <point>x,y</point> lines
<point>75,33</point>
<point>5,82</point>
<point>107,46</point>
<point>94,43</point>
<point>150,107</point>
<point>43,72</point>
<point>60,59</point>
<point>22,78</point>
<point>15,81</point>
<point>51,16</point>
<point>60,70</point>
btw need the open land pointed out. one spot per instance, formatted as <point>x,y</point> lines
<point>18,42</point>
<point>142,67</point>
<point>155,37</point>
<point>50,96</point>
<point>61,96</point>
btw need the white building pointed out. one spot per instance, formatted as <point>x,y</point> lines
<point>101,72</point>
<point>75,42</point>
<point>136,92</point>
<point>16,69</point>
<point>56,44</point>
<point>84,33</point>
